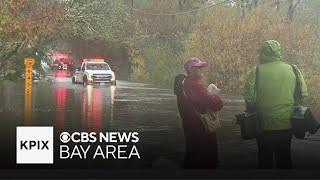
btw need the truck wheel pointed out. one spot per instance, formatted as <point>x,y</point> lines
<point>85,81</point>
<point>73,80</point>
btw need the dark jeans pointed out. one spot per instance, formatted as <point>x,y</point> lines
<point>276,145</point>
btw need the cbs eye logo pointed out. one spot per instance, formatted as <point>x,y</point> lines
<point>65,137</point>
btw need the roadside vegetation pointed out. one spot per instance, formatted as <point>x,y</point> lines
<point>159,35</point>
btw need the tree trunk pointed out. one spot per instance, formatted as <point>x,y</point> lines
<point>255,3</point>
<point>277,4</point>
<point>292,6</point>
<point>243,8</point>
<point>180,5</point>
<point>290,11</point>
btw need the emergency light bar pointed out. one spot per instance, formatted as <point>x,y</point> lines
<point>93,60</point>
<point>60,56</point>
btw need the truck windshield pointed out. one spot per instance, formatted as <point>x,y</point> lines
<point>97,66</point>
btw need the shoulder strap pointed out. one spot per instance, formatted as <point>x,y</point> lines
<point>256,85</point>
<point>184,90</point>
<point>297,91</point>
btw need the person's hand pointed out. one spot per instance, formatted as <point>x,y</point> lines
<point>213,89</point>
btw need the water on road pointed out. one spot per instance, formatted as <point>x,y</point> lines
<point>135,107</point>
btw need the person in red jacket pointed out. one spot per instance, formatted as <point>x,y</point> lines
<point>201,147</point>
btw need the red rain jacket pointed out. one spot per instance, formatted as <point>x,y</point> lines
<point>201,148</point>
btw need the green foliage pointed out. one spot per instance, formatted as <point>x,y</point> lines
<point>159,58</point>
<point>95,20</point>
<point>227,36</point>
<point>231,44</point>
<point>139,68</point>
<point>25,26</point>
<point>228,41</point>
<point>162,64</point>
<point>36,26</point>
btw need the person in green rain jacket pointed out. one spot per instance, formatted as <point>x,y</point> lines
<point>273,99</point>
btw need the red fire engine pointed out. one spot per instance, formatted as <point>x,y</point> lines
<point>62,62</point>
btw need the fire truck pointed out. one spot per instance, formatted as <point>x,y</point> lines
<point>62,62</point>
<point>94,71</point>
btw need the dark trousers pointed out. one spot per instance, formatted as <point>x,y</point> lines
<point>276,145</point>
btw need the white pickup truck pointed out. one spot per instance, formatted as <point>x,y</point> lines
<point>94,71</point>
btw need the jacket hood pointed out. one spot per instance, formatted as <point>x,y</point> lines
<point>270,51</point>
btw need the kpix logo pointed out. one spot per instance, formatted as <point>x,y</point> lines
<point>34,145</point>
<point>29,145</point>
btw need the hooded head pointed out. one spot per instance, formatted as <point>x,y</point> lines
<point>270,51</point>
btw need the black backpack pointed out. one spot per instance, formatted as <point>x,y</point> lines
<point>178,88</point>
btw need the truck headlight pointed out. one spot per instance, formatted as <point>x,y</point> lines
<point>90,76</point>
<point>113,77</point>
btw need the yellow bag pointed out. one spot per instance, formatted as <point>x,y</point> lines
<point>210,120</point>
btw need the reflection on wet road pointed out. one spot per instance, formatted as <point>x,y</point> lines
<point>98,107</point>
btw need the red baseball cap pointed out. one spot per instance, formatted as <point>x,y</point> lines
<point>194,62</point>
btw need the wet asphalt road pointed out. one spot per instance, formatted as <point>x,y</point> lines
<point>128,107</point>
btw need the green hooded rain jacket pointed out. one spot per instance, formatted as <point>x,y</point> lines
<point>274,99</point>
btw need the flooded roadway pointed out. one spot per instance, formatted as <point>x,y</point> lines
<point>128,107</point>
<point>71,107</point>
